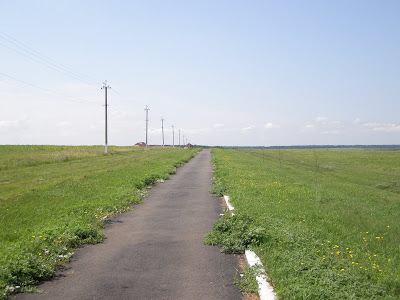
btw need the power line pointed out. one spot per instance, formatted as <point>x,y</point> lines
<point>46,91</point>
<point>69,98</point>
<point>42,59</point>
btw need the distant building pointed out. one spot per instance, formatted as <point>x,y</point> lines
<point>140,144</point>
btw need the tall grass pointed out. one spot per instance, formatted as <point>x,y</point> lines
<point>55,198</point>
<point>330,218</point>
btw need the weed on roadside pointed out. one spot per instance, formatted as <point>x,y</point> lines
<point>246,280</point>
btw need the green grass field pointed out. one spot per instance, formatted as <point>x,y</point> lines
<point>54,198</point>
<point>325,223</point>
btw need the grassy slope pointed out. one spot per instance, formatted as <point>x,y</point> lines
<point>346,243</point>
<point>55,198</point>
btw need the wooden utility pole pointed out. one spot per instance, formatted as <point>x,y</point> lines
<point>162,130</point>
<point>105,87</point>
<point>173,136</point>
<point>147,122</point>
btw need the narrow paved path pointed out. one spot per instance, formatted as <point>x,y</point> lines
<point>155,251</point>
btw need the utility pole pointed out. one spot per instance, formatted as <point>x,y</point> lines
<point>183,141</point>
<point>147,121</point>
<point>173,136</point>
<point>105,87</point>
<point>179,138</point>
<point>162,130</point>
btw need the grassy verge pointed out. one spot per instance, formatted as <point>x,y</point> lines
<point>55,198</point>
<point>325,223</point>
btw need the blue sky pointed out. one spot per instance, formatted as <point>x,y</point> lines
<point>223,72</point>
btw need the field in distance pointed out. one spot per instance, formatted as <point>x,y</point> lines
<point>54,198</point>
<point>324,222</point>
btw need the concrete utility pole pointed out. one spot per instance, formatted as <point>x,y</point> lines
<point>105,87</point>
<point>147,122</point>
<point>179,138</point>
<point>162,130</point>
<point>173,136</point>
<point>183,138</point>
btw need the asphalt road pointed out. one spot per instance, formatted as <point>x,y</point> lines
<point>155,251</point>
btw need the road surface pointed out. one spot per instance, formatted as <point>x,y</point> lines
<point>155,251</point>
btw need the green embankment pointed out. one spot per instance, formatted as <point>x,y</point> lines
<point>54,198</point>
<point>325,223</point>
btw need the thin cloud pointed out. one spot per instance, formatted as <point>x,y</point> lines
<point>270,125</point>
<point>251,127</point>
<point>6,125</point>
<point>336,123</point>
<point>335,132</point>
<point>388,128</point>
<point>63,124</point>
<point>371,125</point>
<point>321,119</point>
<point>382,127</point>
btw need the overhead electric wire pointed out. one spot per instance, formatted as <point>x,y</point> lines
<point>43,60</point>
<point>69,98</point>
<point>30,53</point>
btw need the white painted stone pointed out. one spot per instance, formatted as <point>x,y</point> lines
<point>265,290</point>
